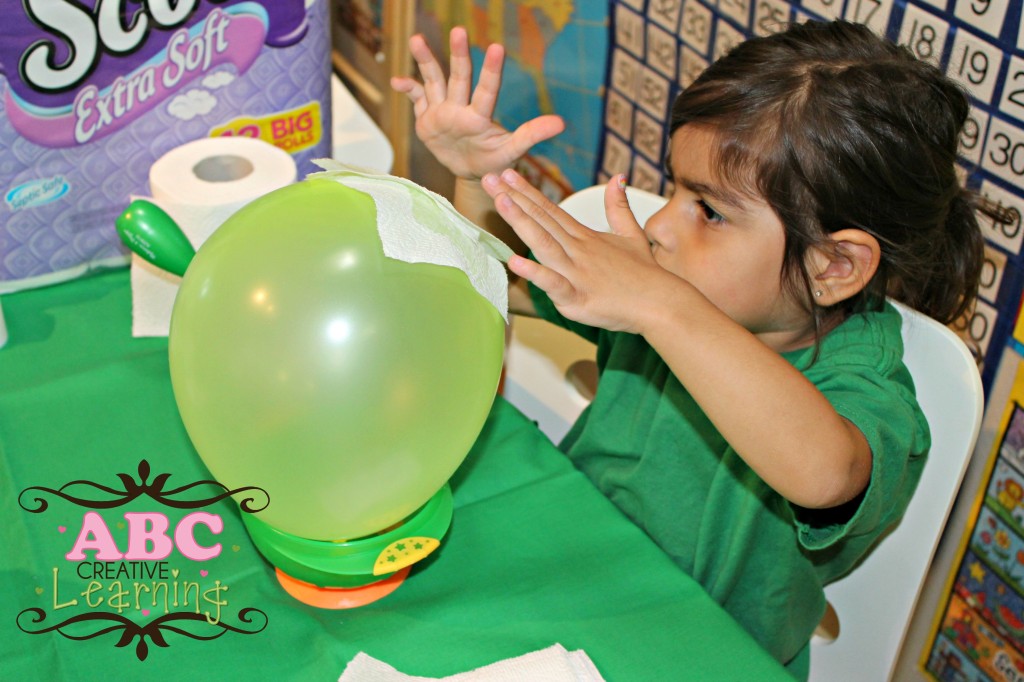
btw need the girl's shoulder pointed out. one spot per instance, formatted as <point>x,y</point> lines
<point>868,339</point>
<point>883,324</point>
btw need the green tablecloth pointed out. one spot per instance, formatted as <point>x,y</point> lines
<point>535,554</point>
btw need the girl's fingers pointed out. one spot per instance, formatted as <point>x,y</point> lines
<point>616,207</point>
<point>461,78</point>
<point>542,209</point>
<point>413,90</point>
<point>540,239</point>
<point>485,97</point>
<point>557,287</point>
<point>496,187</point>
<point>536,130</point>
<point>434,85</point>
<point>402,84</point>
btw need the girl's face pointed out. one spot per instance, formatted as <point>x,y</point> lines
<point>726,244</point>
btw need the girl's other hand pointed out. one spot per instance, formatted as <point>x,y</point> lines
<point>603,280</point>
<point>458,128</point>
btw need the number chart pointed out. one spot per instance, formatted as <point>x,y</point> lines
<point>660,46</point>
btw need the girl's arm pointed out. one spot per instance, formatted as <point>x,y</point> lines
<point>455,122</point>
<point>779,422</point>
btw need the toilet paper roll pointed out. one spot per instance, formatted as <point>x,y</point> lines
<point>200,185</point>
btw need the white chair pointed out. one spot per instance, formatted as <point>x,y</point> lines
<point>875,602</point>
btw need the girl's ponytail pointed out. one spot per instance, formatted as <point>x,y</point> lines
<point>945,284</point>
<point>959,255</point>
<point>965,247</point>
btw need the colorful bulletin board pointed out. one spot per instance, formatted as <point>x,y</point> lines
<point>660,46</point>
<point>978,633</point>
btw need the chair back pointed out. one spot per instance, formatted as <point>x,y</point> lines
<point>875,602</point>
<point>587,206</point>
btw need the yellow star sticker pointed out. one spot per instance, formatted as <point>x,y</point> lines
<point>977,571</point>
<point>402,553</point>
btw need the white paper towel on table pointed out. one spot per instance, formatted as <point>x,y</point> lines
<point>554,664</point>
<point>419,226</point>
<point>200,185</point>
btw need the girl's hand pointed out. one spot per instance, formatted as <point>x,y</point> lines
<point>457,129</point>
<point>602,280</point>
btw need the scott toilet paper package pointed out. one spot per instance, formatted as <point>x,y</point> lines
<point>92,92</point>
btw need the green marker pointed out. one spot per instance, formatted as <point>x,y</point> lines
<point>146,229</point>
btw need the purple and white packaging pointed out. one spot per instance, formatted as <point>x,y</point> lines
<point>92,92</point>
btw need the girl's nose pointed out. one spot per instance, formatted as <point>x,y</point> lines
<point>657,228</point>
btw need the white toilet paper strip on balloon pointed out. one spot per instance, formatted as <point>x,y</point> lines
<point>200,185</point>
<point>419,226</point>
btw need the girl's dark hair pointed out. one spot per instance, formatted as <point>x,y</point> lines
<point>836,128</point>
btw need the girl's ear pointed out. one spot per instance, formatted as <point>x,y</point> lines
<point>843,270</point>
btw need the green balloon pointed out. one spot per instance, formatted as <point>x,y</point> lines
<point>146,229</point>
<point>348,385</point>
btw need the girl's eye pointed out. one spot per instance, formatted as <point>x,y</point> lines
<point>710,214</point>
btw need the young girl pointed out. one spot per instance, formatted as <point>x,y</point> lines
<point>753,412</point>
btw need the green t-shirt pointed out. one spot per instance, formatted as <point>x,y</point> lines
<point>648,446</point>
